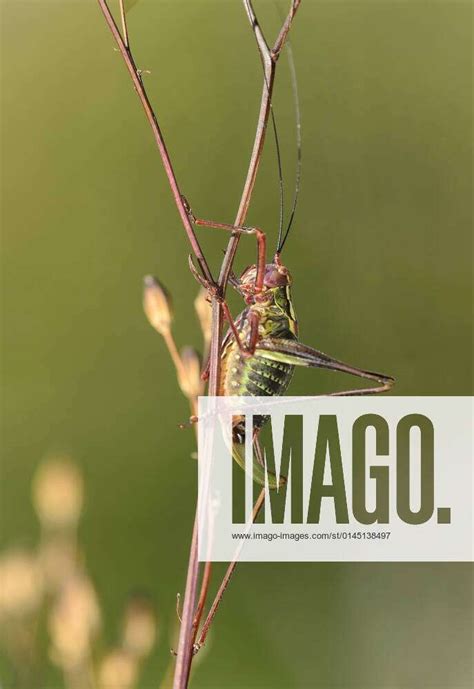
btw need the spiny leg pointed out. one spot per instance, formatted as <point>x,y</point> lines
<point>238,229</point>
<point>297,354</point>
<point>249,349</point>
<point>261,244</point>
<point>245,350</point>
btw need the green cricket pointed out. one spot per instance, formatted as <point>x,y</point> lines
<point>261,348</point>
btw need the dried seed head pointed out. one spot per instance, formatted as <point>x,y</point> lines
<point>157,305</point>
<point>58,493</point>
<point>139,626</point>
<point>21,585</point>
<point>190,376</point>
<point>204,313</point>
<point>118,670</point>
<point>74,622</point>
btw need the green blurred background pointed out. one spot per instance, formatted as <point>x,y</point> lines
<point>381,258</point>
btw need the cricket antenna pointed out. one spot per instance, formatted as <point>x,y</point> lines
<point>280,169</point>
<point>294,85</point>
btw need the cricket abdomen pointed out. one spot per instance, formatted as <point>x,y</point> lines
<point>260,375</point>
<point>253,376</point>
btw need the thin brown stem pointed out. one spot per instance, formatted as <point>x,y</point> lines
<point>206,577</point>
<point>184,658</point>
<point>186,631</point>
<point>227,576</point>
<point>159,140</point>
<point>285,29</point>
<point>269,58</point>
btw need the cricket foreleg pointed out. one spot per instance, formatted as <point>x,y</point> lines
<point>254,320</point>
<point>239,229</point>
<point>246,350</point>
<point>296,354</point>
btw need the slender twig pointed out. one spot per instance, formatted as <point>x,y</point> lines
<point>159,140</point>
<point>280,41</point>
<point>123,17</point>
<point>186,630</point>
<point>202,596</point>
<point>227,576</point>
<point>269,58</point>
<point>185,643</point>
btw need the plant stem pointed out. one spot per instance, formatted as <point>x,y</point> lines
<point>184,658</point>
<point>227,576</point>
<point>123,17</point>
<point>190,619</point>
<point>269,59</point>
<point>158,136</point>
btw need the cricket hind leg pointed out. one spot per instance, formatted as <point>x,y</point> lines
<point>297,354</point>
<point>260,474</point>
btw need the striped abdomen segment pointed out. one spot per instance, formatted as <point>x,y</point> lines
<point>254,376</point>
<point>266,377</point>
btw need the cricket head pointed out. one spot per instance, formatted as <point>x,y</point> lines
<point>276,276</point>
<point>275,287</point>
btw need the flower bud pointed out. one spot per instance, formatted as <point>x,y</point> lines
<point>204,313</point>
<point>58,493</point>
<point>190,375</point>
<point>139,626</point>
<point>118,670</point>
<point>20,583</point>
<point>157,305</point>
<point>74,622</point>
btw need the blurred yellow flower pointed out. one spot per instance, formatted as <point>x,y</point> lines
<point>58,493</point>
<point>139,627</point>
<point>74,622</point>
<point>118,670</point>
<point>21,586</point>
